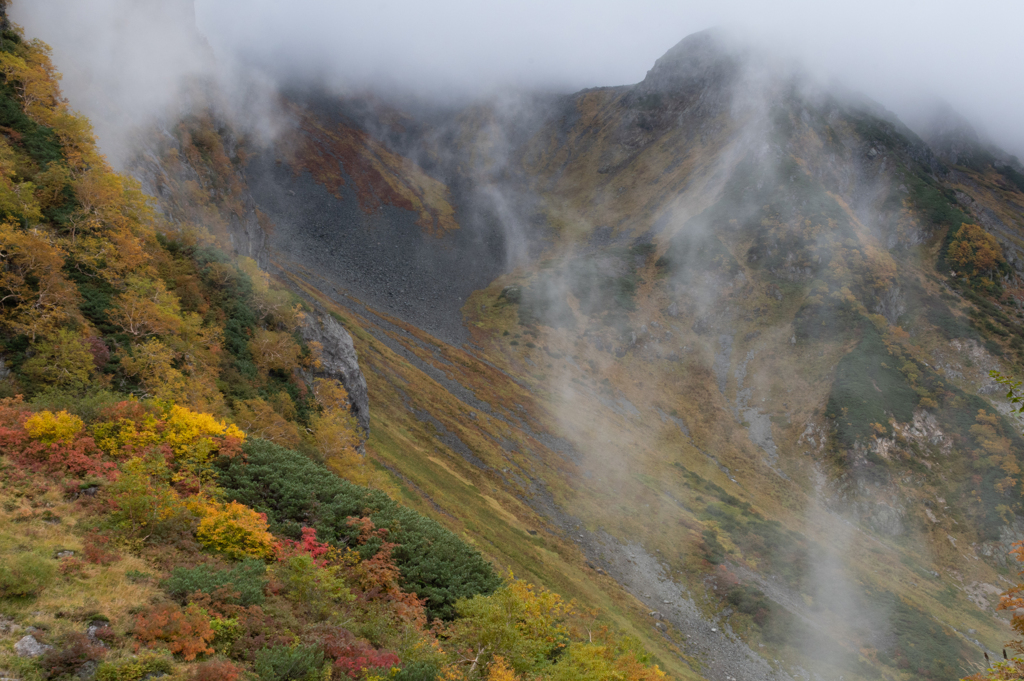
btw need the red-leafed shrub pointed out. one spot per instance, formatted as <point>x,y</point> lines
<point>131,410</point>
<point>186,631</point>
<point>318,551</point>
<point>69,566</point>
<point>63,660</point>
<point>105,634</point>
<point>99,351</point>
<point>50,443</point>
<point>259,631</point>
<point>353,656</point>
<point>98,551</point>
<point>216,670</point>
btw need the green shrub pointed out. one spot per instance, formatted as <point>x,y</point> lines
<point>1012,175</point>
<point>920,643</point>
<point>284,663</point>
<point>714,552</point>
<point>134,668</point>
<point>296,492</point>
<point>248,579</point>
<point>39,141</point>
<point>418,671</point>
<point>950,325</point>
<point>935,203</point>
<point>88,406</point>
<point>750,601</point>
<point>25,575</point>
<point>317,587</point>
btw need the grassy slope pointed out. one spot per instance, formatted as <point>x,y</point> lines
<point>485,507</point>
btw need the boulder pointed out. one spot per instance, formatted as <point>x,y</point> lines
<point>28,646</point>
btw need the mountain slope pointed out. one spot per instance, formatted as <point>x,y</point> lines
<point>748,308</point>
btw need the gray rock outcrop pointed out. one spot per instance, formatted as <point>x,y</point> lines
<point>338,361</point>
<point>28,646</point>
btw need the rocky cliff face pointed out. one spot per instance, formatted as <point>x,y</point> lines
<point>338,361</point>
<point>195,169</point>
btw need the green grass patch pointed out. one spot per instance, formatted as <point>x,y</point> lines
<point>868,389</point>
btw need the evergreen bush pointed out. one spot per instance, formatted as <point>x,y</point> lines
<point>296,492</point>
<point>248,579</point>
<point>287,663</point>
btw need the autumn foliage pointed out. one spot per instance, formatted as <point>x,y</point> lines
<point>975,252</point>
<point>186,631</point>
<point>236,531</point>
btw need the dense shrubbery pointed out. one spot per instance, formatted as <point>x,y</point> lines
<point>295,492</point>
<point>246,579</point>
<point>289,663</point>
<point>186,631</point>
<point>65,660</point>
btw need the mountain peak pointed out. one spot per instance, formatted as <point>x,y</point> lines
<point>695,62</point>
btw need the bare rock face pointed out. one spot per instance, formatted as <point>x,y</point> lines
<point>338,361</point>
<point>244,234</point>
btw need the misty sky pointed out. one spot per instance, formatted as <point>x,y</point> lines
<point>898,51</point>
<point>968,53</point>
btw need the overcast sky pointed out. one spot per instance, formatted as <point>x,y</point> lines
<point>897,51</point>
<point>969,53</point>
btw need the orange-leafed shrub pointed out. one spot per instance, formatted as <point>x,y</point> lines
<point>216,670</point>
<point>186,631</point>
<point>974,251</point>
<point>379,578</point>
<point>98,550</point>
<point>236,531</point>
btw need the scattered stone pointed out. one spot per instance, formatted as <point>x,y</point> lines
<point>30,647</point>
<point>512,294</point>
<point>64,553</point>
<point>87,670</point>
<point>9,626</point>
